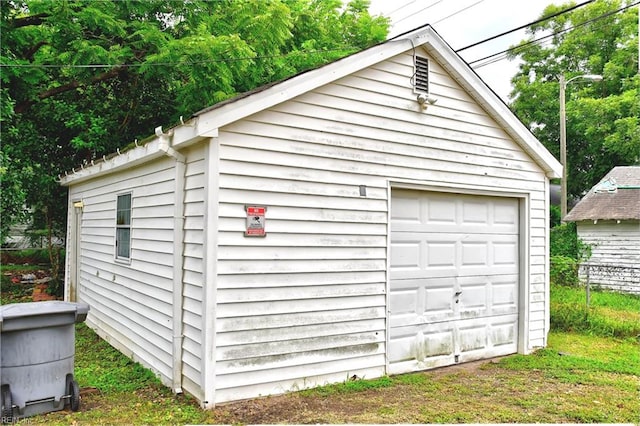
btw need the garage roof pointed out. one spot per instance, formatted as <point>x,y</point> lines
<point>206,122</point>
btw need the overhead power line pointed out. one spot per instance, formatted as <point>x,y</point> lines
<point>459,11</point>
<point>544,38</point>
<point>524,26</point>
<point>414,13</point>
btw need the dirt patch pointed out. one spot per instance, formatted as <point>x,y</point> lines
<point>368,406</point>
<point>26,286</point>
<point>476,392</point>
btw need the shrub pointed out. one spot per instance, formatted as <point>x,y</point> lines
<point>555,216</point>
<point>565,242</point>
<point>564,271</point>
<point>25,257</point>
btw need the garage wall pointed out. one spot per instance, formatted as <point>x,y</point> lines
<point>130,301</point>
<point>306,304</point>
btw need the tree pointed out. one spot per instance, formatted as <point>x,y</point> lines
<point>82,78</point>
<point>603,128</point>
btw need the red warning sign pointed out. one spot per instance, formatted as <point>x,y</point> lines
<point>255,221</point>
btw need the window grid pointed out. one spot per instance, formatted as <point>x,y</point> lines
<point>123,227</point>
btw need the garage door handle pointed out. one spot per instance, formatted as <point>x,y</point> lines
<point>458,293</point>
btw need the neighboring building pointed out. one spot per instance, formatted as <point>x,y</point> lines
<point>335,224</point>
<point>608,220</point>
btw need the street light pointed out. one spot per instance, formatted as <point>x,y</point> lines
<point>563,137</point>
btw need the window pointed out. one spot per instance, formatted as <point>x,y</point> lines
<point>123,227</point>
<point>421,76</point>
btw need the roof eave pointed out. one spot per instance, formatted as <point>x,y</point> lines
<point>119,162</point>
<point>206,123</point>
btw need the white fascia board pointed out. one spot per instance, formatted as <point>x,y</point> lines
<point>127,159</point>
<point>497,109</point>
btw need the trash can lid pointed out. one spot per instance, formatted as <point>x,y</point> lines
<point>49,307</point>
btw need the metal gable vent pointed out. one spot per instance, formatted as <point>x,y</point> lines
<point>421,76</point>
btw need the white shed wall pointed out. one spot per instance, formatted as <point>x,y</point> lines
<point>131,301</point>
<point>306,304</point>
<point>615,254</point>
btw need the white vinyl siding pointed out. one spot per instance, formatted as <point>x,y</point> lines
<point>194,211</point>
<point>615,254</point>
<point>306,304</point>
<point>130,303</point>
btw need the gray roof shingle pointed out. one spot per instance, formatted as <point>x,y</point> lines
<point>616,197</point>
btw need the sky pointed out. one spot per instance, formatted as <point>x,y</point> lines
<point>464,22</point>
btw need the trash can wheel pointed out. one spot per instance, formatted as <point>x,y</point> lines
<point>7,405</point>
<point>74,395</point>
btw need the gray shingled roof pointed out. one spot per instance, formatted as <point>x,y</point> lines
<point>616,197</point>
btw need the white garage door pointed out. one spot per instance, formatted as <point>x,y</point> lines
<point>454,279</point>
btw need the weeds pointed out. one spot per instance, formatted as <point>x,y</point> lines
<point>349,386</point>
<point>609,314</point>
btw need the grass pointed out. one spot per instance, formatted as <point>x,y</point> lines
<point>588,373</point>
<point>609,314</point>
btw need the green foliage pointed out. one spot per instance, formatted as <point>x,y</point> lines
<point>564,271</point>
<point>567,251</point>
<point>25,257</point>
<point>349,386</point>
<point>565,242</point>
<point>609,314</point>
<point>81,79</point>
<point>602,117</point>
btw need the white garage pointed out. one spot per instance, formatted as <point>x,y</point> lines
<point>384,213</point>
<point>454,278</point>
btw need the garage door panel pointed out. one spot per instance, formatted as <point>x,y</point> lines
<point>421,301</point>
<point>504,334</point>
<point>473,337</point>
<point>440,254</point>
<point>505,292</point>
<point>419,343</point>
<point>411,212</point>
<point>438,302</point>
<point>505,252</point>
<point>473,297</point>
<point>430,254</point>
<point>459,254</point>
<point>429,345</point>
<point>406,255</point>
<point>404,302</point>
<point>493,334</point>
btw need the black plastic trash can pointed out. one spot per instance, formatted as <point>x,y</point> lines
<point>37,352</point>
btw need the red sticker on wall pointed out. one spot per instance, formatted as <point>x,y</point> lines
<point>255,221</point>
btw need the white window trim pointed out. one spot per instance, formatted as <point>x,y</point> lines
<point>119,258</point>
